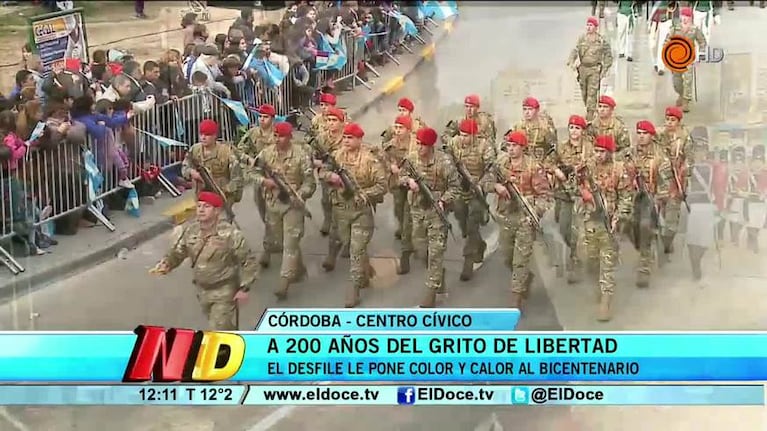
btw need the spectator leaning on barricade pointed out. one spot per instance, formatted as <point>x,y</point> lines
<point>207,63</point>
<point>172,78</point>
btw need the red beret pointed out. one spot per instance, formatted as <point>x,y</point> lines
<point>73,65</point>
<point>673,111</point>
<point>267,109</point>
<point>336,112</point>
<point>516,137</point>
<point>471,99</point>
<point>469,126</point>
<point>208,128</point>
<point>354,129</point>
<point>577,120</point>
<point>406,103</point>
<point>283,129</point>
<point>593,21</point>
<point>213,199</point>
<point>531,102</point>
<point>328,98</point>
<point>607,100</point>
<point>115,68</point>
<point>686,11</point>
<point>426,136</point>
<point>404,121</point>
<point>607,142</point>
<point>646,126</point>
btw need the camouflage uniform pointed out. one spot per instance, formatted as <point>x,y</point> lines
<point>678,148</point>
<point>570,157</point>
<point>223,263</point>
<point>393,151</point>
<point>596,57</point>
<point>683,82</point>
<point>615,127</point>
<point>541,135</point>
<point>616,188</point>
<point>318,125</point>
<point>441,177</point>
<point>329,143</point>
<point>388,134</point>
<point>249,147</point>
<point>653,164</point>
<point>477,157</point>
<point>353,221</point>
<point>484,120</point>
<point>223,165</point>
<point>517,234</point>
<point>285,222</point>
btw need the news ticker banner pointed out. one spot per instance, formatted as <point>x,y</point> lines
<point>229,395</point>
<point>162,355</point>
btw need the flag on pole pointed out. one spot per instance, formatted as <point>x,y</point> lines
<point>94,180</point>
<point>163,141</point>
<point>405,22</point>
<point>438,10</point>
<point>330,56</point>
<point>238,109</point>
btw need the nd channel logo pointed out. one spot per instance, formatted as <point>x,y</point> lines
<point>406,395</point>
<point>680,53</point>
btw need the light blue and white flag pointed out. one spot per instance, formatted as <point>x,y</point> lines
<point>163,141</point>
<point>438,10</point>
<point>330,56</point>
<point>132,204</point>
<point>238,109</point>
<point>94,180</point>
<point>405,22</point>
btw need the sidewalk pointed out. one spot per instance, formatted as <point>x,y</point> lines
<point>92,246</point>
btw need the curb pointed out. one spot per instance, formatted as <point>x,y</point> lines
<point>181,211</point>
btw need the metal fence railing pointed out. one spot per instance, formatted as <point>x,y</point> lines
<point>78,174</point>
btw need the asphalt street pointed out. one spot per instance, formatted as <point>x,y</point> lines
<point>489,41</point>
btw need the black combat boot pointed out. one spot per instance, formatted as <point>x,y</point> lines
<point>480,257</point>
<point>404,263</point>
<point>468,269</point>
<point>265,259</point>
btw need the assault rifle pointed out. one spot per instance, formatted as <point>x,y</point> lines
<point>519,198</point>
<point>655,215</point>
<point>599,203</point>
<point>211,185</point>
<point>427,194</point>
<point>350,186</point>
<point>285,193</point>
<point>466,182</point>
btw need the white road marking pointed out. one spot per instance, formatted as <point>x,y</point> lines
<point>13,420</point>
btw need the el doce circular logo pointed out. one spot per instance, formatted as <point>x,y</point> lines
<point>679,53</point>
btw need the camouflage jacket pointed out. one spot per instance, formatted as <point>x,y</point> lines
<point>615,184</point>
<point>592,52</point>
<point>217,258</point>
<point>295,167</point>
<point>570,158</point>
<point>614,127</point>
<point>654,165</point>
<point>692,33</point>
<point>366,170</point>
<point>438,174</point>
<point>484,120</point>
<point>223,165</point>
<point>528,175</point>
<point>392,152</point>
<point>388,134</point>
<point>541,135</point>
<point>318,124</point>
<point>679,149</point>
<point>329,142</point>
<point>477,158</point>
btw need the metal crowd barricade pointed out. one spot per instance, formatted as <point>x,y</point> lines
<point>355,53</point>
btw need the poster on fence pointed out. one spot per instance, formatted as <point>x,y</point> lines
<point>58,36</point>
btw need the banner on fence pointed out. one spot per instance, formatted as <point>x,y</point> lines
<point>58,36</point>
<point>331,56</point>
<point>238,108</point>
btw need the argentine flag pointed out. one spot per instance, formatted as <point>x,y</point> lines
<point>271,75</point>
<point>438,10</point>
<point>163,141</point>
<point>405,22</point>
<point>238,109</point>
<point>94,180</point>
<point>330,57</point>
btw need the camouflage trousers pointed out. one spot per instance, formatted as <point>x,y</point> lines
<point>683,84</point>
<point>436,236</point>
<point>671,214</point>
<point>570,225</point>
<point>260,201</point>
<point>590,81</point>
<point>600,248</point>
<point>354,226</point>
<point>285,226</point>
<point>218,304</point>
<point>470,215</point>
<point>646,255</point>
<point>327,207</point>
<point>402,211</point>
<point>516,242</point>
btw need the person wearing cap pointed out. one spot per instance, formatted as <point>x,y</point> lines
<point>485,121</point>
<point>627,18</point>
<point>218,158</point>
<point>570,156</point>
<point>649,160</point>
<point>617,190</point>
<point>329,140</point>
<point>720,184</point>
<point>661,18</point>
<point>405,108</point>
<point>701,221</point>
<point>757,205</point>
<point>393,151</point>
<point>477,155</point>
<point>223,265</point>
<point>284,219</point>
<point>327,101</point>
<point>208,63</point>
<point>592,58</point>
<point>683,82</point>
<point>353,210</point>
<point>517,233</point>
<point>437,172</point>
<point>538,127</point>
<point>740,178</point>
<point>607,123</point>
<point>259,137</point>
<point>675,139</point>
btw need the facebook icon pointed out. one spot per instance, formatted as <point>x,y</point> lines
<point>405,395</point>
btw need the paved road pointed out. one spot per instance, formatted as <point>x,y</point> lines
<point>119,294</point>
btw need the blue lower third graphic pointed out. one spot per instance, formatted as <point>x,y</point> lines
<point>405,395</point>
<point>520,395</point>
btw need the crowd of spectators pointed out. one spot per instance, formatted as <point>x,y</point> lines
<point>47,121</point>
